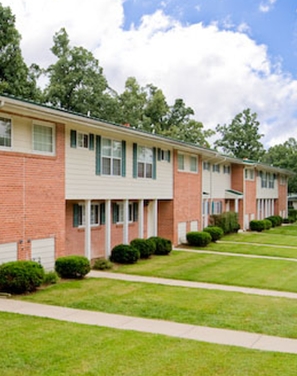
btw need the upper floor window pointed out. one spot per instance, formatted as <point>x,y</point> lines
<point>111,157</point>
<point>180,161</point>
<point>5,132</point>
<point>270,178</point>
<point>83,140</point>
<point>216,168</point>
<point>164,155</point>
<point>43,138</point>
<point>227,169</point>
<point>144,162</point>
<point>193,163</point>
<point>206,166</point>
<point>263,176</point>
<point>249,174</point>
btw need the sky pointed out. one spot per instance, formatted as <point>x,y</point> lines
<point>219,56</point>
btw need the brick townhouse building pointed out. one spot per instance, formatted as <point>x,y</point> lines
<point>71,184</point>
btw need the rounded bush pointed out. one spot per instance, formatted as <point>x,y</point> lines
<point>257,225</point>
<point>124,254</point>
<point>73,267</point>
<point>216,233</point>
<point>274,220</point>
<point>50,278</point>
<point>267,224</point>
<point>102,264</point>
<point>18,277</point>
<point>198,238</point>
<point>146,247</point>
<point>163,246</point>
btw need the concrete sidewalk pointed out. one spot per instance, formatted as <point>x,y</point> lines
<point>190,284</point>
<point>193,332</point>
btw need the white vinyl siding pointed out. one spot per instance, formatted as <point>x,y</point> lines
<point>8,252</point>
<point>43,251</point>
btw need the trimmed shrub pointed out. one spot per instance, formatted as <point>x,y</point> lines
<point>276,220</point>
<point>18,277</point>
<point>198,238</point>
<point>292,213</point>
<point>146,247</point>
<point>257,225</point>
<point>50,278</point>
<point>216,233</point>
<point>227,221</point>
<point>124,254</point>
<point>73,267</point>
<point>267,224</point>
<point>102,264</point>
<point>162,246</point>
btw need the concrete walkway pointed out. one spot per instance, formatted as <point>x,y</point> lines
<point>190,284</point>
<point>193,332</point>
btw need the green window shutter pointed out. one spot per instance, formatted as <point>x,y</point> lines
<point>134,160</point>
<point>123,158</point>
<point>115,212</point>
<point>154,163</point>
<point>102,213</point>
<point>169,156</point>
<point>159,154</point>
<point>75,215</point>
<point>98,155</point>
<point>73,138</point>
<point>91,142</point>
<point>135,211</point>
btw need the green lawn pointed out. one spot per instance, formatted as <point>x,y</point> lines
<point>229,270</point>
<point>186,305</point>
<point>43,347</point>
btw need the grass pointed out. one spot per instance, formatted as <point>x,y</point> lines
<point>238,271</point>
<point>37,347</point>
<point>185,305</point>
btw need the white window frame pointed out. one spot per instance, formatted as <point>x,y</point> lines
<point>83,140</point>
<point>145,158</point>
<point>227,169</point>
<point>165,155</point>
<point>206,166</point>
<point>94,219</point>
<point>216,168</point>
<point>120,206</point>
<point>53,136</point>
<point>112,158</point>
<point>9,139</point>
<point>193,163</point>
<point>180,162</point>
<point>249,174</point>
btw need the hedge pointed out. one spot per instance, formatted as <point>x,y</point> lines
<point>216,233</point>
<point>198,238</point>
<point>163,246</point>
<point>124,254</point>
<point>73,267</point>
<point>146,247</point>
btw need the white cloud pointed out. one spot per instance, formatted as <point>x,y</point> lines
<point>266,6</point>
<point>218,73</point>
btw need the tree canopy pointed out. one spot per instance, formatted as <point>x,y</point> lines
<point>15,77</point>
<point>241,138</point>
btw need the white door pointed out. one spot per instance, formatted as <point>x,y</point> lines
<point>43,251</point>
<point>182,232</point>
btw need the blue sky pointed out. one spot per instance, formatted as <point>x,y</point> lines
<point>219,56</point>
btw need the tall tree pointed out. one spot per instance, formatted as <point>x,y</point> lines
<point>241,138</point>
<point>284,156</point>
<point>76,81</point>
<point>15,77</point>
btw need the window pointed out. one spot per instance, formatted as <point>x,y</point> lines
<point>180,161</point>
<point>263,176</point>
<point>82,140</point>
<point>249,174</point>
<point>193,163</point>
<point>5,132</point>
<point>206,166</point>
<point>43,138</point>
<point>164,155</point>
<point>111,157</point>
<point>270,177</point>
<point>97,214</point>
<point>216,168</point>
<point>217,207</point>
<point>118,212</point>
<point>227,169</point>
<point>144,162</point>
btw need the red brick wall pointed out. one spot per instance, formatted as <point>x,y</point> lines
<point>237,172</point>
<point>281,203</point>
<point>32,198</point>
<point>165,219</point>
<point>250,193</point>
<point>187,204</point>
